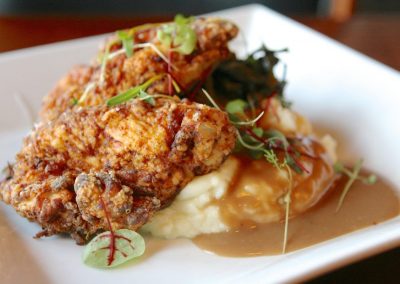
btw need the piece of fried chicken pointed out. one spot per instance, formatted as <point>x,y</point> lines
<point>83,84</point>
<point>124,163</point>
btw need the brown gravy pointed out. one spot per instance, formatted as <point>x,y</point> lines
<point>257,191</point>
<point>365,205</point>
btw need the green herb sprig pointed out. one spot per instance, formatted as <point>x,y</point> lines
<point>133,92</point>
<point>260,142</point>
<point>287,199</point>
<point>353,175</point>
<point>176,36</point>
<point>128,47</point>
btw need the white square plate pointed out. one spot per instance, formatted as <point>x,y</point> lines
<point>334,86</point>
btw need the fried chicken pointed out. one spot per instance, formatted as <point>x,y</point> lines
<point>122,163</point>
<point>84,85</point>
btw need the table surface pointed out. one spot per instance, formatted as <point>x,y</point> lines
<point>374,35</point>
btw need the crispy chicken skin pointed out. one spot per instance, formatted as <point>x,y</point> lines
<point>124,162</point>
<point>122,73</point>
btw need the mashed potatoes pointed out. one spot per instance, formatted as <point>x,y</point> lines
<point>258,193</point>
<point>193,212</point>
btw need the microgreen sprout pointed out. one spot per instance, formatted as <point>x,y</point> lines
<point>353,176</point>
<point>104,65</point>
<point>182,37</point>
<point>116,53</point>
<point>107,56</point>
<point>88,88</point>
<point>127,42</point>
<point>249,122</point>
<point>271,158</point>
<point>178,36</point>
<point>155,96</point>
<point>133,92</point>
<point>237,106</point>
<point>256,147</point>
<point>214,104</point>
<point>176,86</point>
<point>287,199</point>
<point>146,97</point>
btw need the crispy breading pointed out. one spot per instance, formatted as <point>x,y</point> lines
<point>122,73</point>
<point>129,160</point>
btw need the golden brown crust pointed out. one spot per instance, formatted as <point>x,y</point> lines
<point>134,158</point>
<point>122,73</point>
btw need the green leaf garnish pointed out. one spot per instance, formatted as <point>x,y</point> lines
<point>127,42</point>
<point>131,93</point>
<point>178,36</point>
<point>110,249</point>
<point>258,131</point>
<point>147,98</point>
<point>252,79</point>
<point>186,41</point>
<point>236,107</point>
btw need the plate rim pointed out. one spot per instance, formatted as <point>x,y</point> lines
<point>250,9</point>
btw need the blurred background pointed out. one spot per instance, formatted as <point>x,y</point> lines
<point>369,26</point>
